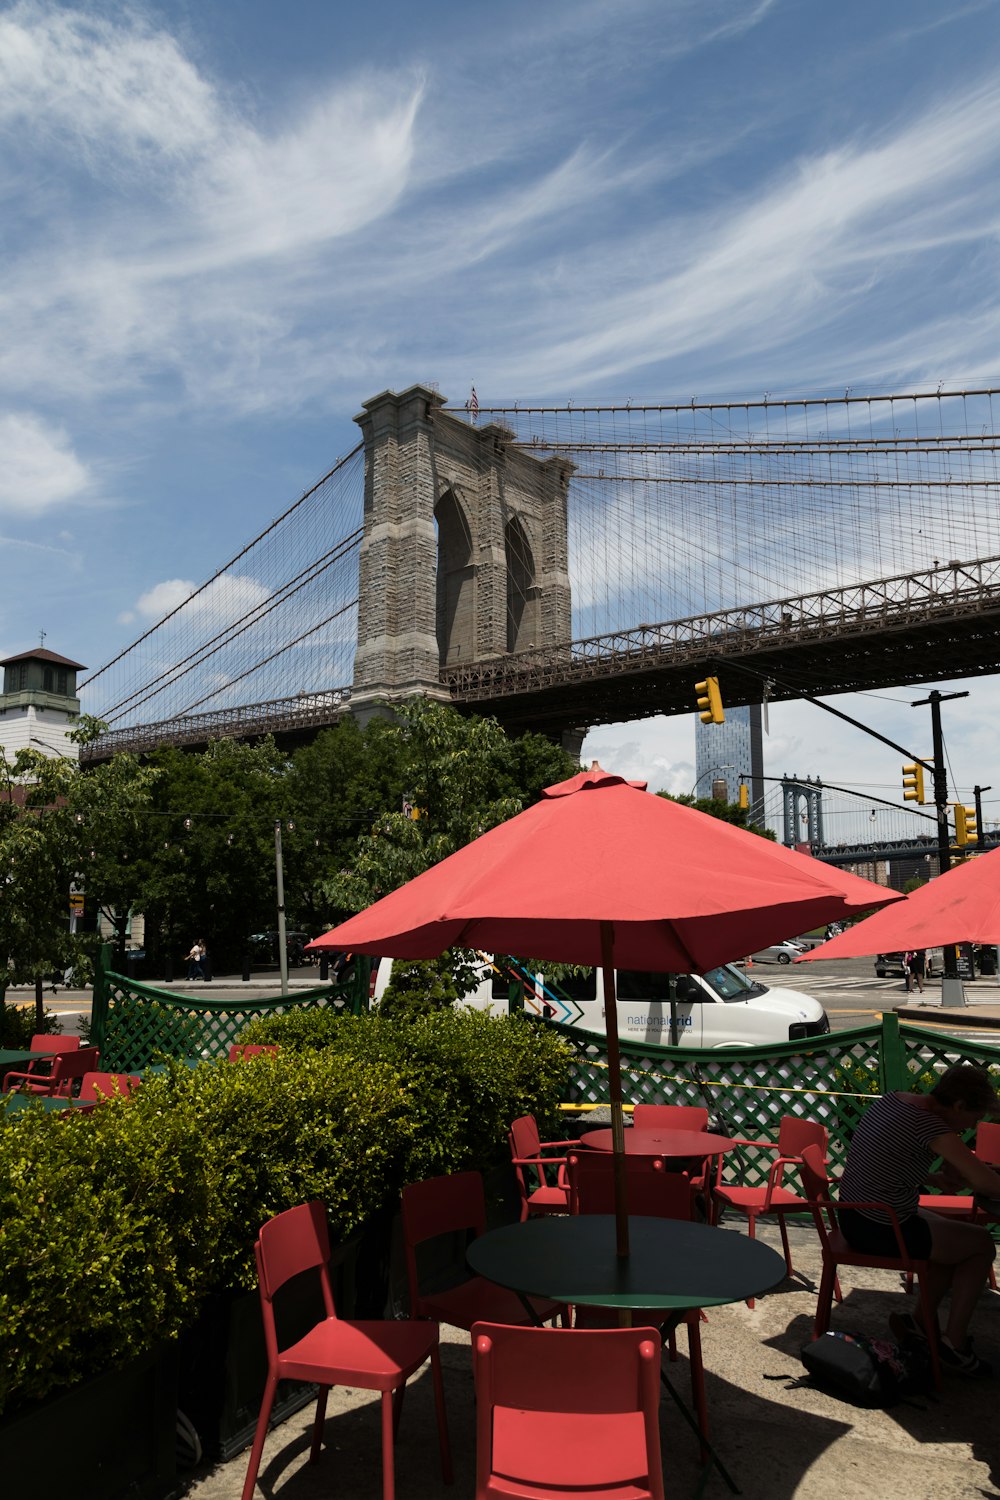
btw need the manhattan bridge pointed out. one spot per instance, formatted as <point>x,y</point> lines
<point>563,566</point>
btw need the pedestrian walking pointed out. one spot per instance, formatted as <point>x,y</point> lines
<point>908,972</point>
<point>196,960</point>
<point>918,968</point>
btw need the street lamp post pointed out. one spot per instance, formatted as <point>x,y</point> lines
<point>711,772</point>
<point>280,876</point>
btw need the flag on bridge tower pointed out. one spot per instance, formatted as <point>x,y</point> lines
<point>472,405</point>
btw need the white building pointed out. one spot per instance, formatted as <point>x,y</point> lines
<point>38,705</point>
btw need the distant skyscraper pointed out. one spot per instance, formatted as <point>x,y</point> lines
<point>726,752</point>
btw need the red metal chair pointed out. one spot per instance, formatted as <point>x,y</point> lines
<point>67,1067</point>
<point>837,1252</point>
<point>670,1117</point>
<point>456,1205</point>
<point>771,1197</point>
<point>652,1191</point>
<point>371,1356</point>
<point>567,1411</point>
<point>541,1179</point>
<point>678,1117</point>
<point>50,1046</point>
<point>99,1086</point>
<point>241,1050</point>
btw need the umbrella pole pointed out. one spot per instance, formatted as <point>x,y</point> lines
<point>615,1089</point>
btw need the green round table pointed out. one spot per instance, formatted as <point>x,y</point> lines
<point>672,1264</point>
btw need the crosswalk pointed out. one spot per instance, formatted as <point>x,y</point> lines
<point>813,982</point>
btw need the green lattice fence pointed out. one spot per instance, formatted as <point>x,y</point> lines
<point>748,1090</point>
<point>137,1024</point>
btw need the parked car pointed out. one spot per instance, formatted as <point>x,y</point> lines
<point>887,964</point>
<point>722,1008</point>
<point>783,953</point>
<point>263,948</point>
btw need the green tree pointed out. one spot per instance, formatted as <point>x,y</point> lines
<point>207,864</point>
<point>461,777</point>
<point>726,812</point>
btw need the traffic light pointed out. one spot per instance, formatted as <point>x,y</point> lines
<point>710,701</point>
<point>966,829</point>
<point>913,784</point>
<point>744,796</point>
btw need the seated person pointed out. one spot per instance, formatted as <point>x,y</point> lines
<point>889,1161</point>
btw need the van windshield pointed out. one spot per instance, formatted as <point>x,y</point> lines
<point>730,984</point>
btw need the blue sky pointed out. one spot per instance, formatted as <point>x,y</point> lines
<point>224,225</point>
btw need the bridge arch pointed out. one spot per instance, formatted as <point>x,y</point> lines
<point>456,582</point>
<point>523,602</point>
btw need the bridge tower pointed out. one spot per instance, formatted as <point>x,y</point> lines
<point>465,549</point>
<point>793,793</point>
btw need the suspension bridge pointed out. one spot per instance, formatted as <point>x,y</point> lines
<point>563,566</point>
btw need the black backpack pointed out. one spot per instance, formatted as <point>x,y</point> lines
<point>865,1371</point>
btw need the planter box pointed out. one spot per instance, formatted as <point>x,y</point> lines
<point>110,1438</point>
<point>223,1361</point>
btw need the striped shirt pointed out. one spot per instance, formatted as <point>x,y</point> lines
<point>890,1156</point>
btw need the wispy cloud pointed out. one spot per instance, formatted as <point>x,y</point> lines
<point>39,469</point>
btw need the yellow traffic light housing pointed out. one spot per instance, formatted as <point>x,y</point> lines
<point>744,796</point>
<point>913,784</point>
<point>710,701</point>
<point>966,828</point>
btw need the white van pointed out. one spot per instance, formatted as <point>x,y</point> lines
<point>723,1008</point>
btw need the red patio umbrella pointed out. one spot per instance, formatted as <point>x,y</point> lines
<point>600,872</point>
<point>961,906</point>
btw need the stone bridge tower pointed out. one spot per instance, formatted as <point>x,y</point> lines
<point>464,555</point>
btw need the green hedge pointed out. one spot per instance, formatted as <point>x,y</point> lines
<point>469,1075</point>
<point>115,1225</point>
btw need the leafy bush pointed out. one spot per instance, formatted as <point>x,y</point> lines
<point>469,1074</point>
<point>115,1225</point>
<point>18,1024</point>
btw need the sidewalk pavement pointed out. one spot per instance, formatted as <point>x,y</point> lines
<point>780,1441</point>
<point>981,1009</point>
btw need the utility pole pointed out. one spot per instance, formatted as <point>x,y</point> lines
<point>977,792</point>
<point>952,992</point>
<point>280,876</point>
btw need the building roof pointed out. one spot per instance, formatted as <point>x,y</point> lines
<point>40,654</point>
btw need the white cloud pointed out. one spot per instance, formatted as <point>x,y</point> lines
<point>39,469</point>
<point>163,597</point>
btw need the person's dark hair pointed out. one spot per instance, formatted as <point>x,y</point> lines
<point>968,1085</point>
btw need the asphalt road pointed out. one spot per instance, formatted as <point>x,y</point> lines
<point>847,989</point>
<point>851,995</point>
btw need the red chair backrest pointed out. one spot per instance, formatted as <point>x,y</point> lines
<point>988,1143</point>
<point>98,1086</point>
<point>292,1242</point>
<point>650,1189</point>
<point>670,1117</point>
<point>70,1065</point>
<point>607,1373</point>
<point>795,1134</point>
<point>54,1044</point>
<point>524,1138</point>
<point>443,1205</point>
<point>239,1050</point>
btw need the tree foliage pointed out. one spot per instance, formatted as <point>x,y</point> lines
<point>460,777</point>
<point>726,812</point>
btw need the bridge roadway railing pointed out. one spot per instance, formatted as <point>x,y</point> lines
<point>857,854</point>
<point>947,592</point>
<point>280,715</point>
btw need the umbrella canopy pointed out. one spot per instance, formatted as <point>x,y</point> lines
<point>600,872</point>
<point>961,906</point>
<point>682,891</point>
